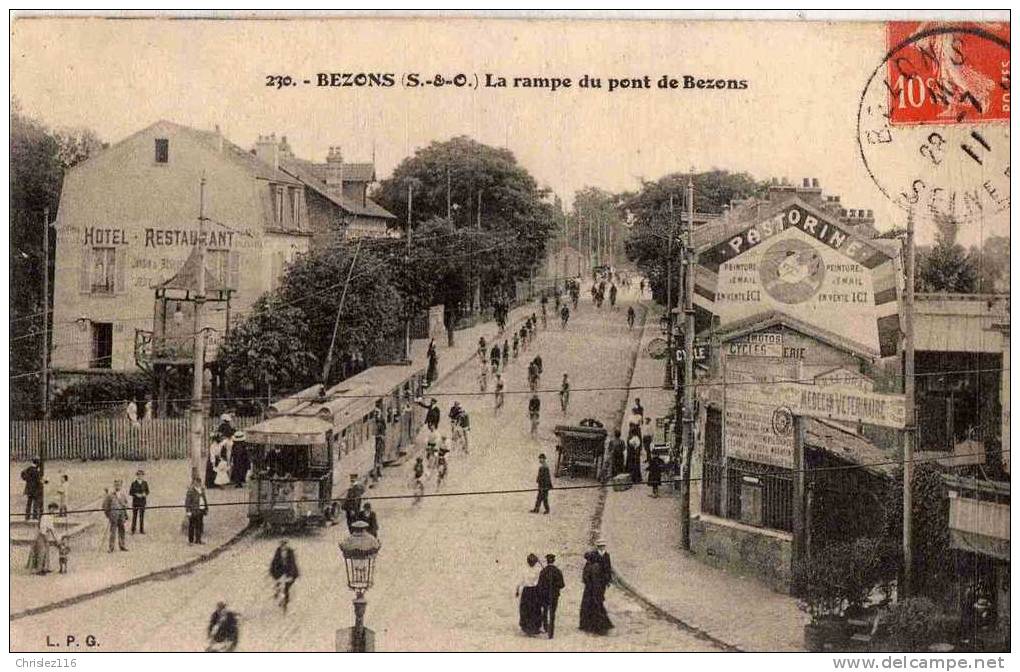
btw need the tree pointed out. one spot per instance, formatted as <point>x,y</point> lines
<point>992,261</point>
<point>647,244</point>
<point>448,179</point>
<point>270,350</point>
<point>39,157</point>
<point>945,267</point>
<point>593,208</point>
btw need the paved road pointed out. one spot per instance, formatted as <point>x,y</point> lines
<point>448,566</point>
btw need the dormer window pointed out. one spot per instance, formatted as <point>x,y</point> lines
<point>162,150</point>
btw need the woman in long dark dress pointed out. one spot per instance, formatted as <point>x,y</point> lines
<point>634,459</point>
<point>240,462</point>
<point>530,600</point>
<point>594,618</point>
<point>433,370</point>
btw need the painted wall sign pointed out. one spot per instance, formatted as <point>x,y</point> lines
<point>749,432</point>
<point>802,262</point>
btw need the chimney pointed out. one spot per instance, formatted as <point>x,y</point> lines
<point>814,183</point>
<point>335,169</point>
<point>268,151</point>
<point>871,214</point>
<point>285,150</point>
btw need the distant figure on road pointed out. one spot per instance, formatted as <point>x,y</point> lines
<point>33,477</point>
<point>612,297</point>
<point>115,508</point>
<point>368,515</point>
<point>655,467</point>
<point>240,461</point>
<point>517,342</point>
<point>498,395</point>
<point>634,458</point>
<point>564,316</point>
<point>223,630</point>
<point>139,492</point>
<point>481,348</point>
<point>544,481</point>
<point>630,317</point>
<point>432,415</point>
<point>550,583</point>
<point>494,357</point>
<point>565,394</point>
<point>506,353</point>
<point>534,409</point>
<point>641,287</point>
<point>284,571</point>
<point>617,450</point>
<point>483,378</point>
<point>352,501</point>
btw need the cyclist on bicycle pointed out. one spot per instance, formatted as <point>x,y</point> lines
<point>222,632</point>
<point>284,571</point>
<point>534,408</point>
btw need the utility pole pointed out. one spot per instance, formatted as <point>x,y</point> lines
<point>407,269</point>
<point>578,245</point>
<point>688,400</point>
<point>197,411</point>
<point>911,420</point>
<point>44,382</point>
<point>478,274</point>
<point>668,380</point>
<point>591,259</point>
<point>449,202</point>
<point>566,234</point>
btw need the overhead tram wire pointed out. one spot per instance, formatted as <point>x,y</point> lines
<point>565,488</point>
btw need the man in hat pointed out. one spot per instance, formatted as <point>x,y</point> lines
<point>550,583</point>
<point>352,502</point>
<point>139,491</point>
<point>284,571</point>
<point>368,515</point>
<point>544,481</point>
<point>195,506</point>
<point>432,415</point>
<point>115,508</point>
<point>33,477</point>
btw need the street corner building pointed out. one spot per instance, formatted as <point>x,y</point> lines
<point>129,219</point>
<point>799,379</point>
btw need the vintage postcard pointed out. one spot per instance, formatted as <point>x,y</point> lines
<point>535,332</point>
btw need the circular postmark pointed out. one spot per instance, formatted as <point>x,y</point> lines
<point>933,120</point>
<point>791,271</point>
<point>782,421</point>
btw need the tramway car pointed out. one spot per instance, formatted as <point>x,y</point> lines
<point>311,439</point>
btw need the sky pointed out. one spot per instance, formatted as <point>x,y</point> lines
<point>797,117</point>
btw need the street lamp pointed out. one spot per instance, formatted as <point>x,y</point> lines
<point>359,551</point>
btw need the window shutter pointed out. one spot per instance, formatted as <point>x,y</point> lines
<point>234,271</point>
<point>120,266</point>
<point>85,271</point>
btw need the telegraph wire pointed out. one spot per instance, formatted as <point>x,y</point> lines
<point>588,486</point>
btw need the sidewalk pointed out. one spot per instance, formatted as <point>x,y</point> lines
<point>644,537</point>
<point>164,545</point>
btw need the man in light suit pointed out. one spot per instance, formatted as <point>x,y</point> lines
<point>115,507</point>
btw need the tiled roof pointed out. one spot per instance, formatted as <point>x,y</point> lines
<point>353,172</point>
<point>246,159</point>
<point>305,172</point>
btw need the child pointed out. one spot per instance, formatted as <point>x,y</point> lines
<point>441,468</point>
<point>418,486</point>
<point>62,491</point>
<point>64,551</point>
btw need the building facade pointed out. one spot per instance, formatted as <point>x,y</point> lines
<point>129,218</point>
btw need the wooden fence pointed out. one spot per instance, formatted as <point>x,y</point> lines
<point>98,438</point>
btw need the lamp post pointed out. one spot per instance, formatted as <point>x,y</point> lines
<point>359,551</point>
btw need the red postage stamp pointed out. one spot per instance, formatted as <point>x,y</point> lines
<point>939,76</point>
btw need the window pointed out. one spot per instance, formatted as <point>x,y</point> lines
<point>295,207</point>
<point>104,270</point>
<point>279,206</point>
<point>102,345</point>
<point>162,150</point>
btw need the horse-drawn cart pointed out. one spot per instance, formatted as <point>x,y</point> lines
<point>580,448</point>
